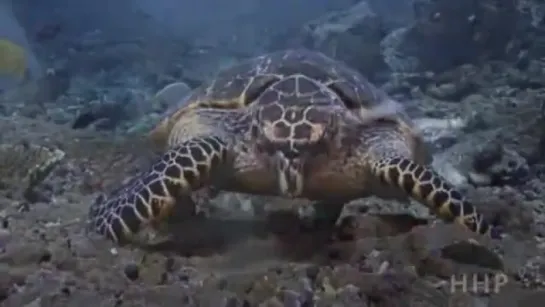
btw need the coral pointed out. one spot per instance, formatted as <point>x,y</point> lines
<point>24,166</point>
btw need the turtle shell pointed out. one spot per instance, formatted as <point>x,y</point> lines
<point>239,85</point>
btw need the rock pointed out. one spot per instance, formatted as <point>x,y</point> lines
<point>498,165</point>
<point>131,270</point>
<point>20,254</point>
<point>352,35</point>
<point>403,83</point>
<point>291,298</point>
<point>101,115</point>
<point>427,43</point>
<point>118,111</point>
<point>350,295</point>
<point>440,133</point>
<point>471,253</point>
<point>24,166</point>
<point>171,95</point>
<point>451,91</point>
<point>393,19</point>
<point>395,54</point>
<point>5,238</point>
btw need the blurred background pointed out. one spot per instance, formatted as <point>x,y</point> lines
<point>95,55</point>
<point>83,77</point>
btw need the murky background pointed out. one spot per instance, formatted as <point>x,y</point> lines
<point>82,83</point>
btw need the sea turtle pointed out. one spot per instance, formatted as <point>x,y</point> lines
<point>292,123</point>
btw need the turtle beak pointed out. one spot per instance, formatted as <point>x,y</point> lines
<point>289,175</point>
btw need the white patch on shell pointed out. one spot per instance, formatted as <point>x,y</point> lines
<point>434,129</point>
<point>387,108</point>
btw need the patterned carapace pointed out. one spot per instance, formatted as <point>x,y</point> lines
<point>291,123</point>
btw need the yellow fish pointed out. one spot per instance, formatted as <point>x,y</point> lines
<point>13,61</point>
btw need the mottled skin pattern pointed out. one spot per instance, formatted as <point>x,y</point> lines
<point>295,124</point>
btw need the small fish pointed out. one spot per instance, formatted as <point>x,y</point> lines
<point>13,61</point>
<point>85,120</point>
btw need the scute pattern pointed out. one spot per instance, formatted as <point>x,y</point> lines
<point>241,82</point>
<point>150,197</point>
<point>291,126</point>
<point>426,186</point>
<point>238,86</point>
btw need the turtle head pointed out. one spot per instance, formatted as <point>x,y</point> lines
<point>294,121</point>
<point>295,130</point>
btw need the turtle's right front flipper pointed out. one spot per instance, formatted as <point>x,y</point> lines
<point>146,200</point>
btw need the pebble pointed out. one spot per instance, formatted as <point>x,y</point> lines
<point>132,272</point>
<point>5,237</point>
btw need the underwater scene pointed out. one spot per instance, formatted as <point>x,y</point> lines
<point>299,153</point>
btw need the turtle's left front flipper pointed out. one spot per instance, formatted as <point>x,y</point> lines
<point>426,186</point>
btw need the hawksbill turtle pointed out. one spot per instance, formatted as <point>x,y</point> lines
<point>292,123</point>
